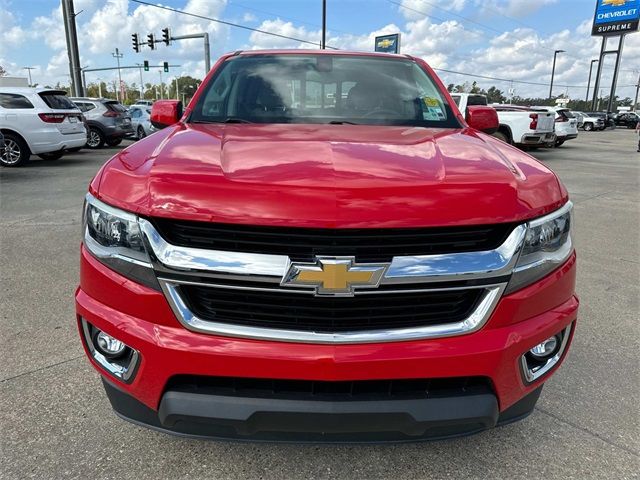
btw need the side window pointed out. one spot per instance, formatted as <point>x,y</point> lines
<point>14,101</point>
<point>135,113</point>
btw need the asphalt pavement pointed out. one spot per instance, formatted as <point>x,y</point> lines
<point>55,421</point>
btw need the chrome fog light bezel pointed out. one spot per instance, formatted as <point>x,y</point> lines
<point>123,366</point>
<point>530,373</point>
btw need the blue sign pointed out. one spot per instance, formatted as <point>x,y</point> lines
<point>614,17</point>
<point>390,43</point>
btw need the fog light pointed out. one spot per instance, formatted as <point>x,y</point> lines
<point>540,359</point>
<point>109,346</point>
<point>113,355</point>
<point>546,349</point>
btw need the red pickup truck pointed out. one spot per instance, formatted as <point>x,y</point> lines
<point>321,247</point>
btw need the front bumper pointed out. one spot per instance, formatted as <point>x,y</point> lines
<point>142,318</point>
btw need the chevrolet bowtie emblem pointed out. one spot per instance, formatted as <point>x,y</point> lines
<point>337,276</point>
<point>615,3</point>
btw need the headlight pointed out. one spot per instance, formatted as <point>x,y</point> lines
<point>113,236</point>
<point>547,245</point>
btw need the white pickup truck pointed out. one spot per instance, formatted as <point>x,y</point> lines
<point>518,125</point>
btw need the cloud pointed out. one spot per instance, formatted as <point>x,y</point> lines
<point>260,41</point>
<point>513,8</point>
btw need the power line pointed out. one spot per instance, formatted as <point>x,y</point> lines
<point>468,20</point>
<point>231,24</point>
<point>283,17</point>
<point>486,77</point>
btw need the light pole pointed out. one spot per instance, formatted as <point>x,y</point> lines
<point>141,84</point>
<point>99,87</point>
<point>324,24</point>
<point>117,55</point>
<point>161,85</point>
<point>29,70</point>
<point>589,82</point>
<point>553,70</point>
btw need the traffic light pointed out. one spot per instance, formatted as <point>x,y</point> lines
<point>166,36</point>
<point>151,41</point>
<point>134,40</point>
<point>166,67</point>
<point>146,65</point>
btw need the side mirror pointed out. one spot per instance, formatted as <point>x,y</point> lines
<point>165,113</point>
<point>483,118</point>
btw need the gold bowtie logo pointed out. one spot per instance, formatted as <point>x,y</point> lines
<point>615,3</point>
<point>334,275</point>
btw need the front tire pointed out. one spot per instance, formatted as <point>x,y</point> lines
<point>96,139</point>
<point>588,127</point>
<point>559,143</point>
<point>141,132</point>
<point>51,156</point>
<point>16,151</point>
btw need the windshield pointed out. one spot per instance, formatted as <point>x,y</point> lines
<point>323,89</point>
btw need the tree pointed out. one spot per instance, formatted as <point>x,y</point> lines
<point>187,86</point>
<point>3,72</point>
<point>494,95</point>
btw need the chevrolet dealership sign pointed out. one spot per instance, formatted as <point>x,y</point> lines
<point>615,17</point>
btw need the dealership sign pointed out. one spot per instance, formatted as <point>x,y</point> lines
<point>615,17</point>
<point>389,43</point>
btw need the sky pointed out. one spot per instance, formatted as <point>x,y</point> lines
<point>508,39</point>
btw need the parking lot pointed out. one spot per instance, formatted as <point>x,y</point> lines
<point>57,422</point>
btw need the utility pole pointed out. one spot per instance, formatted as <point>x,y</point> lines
<point>324,25</point>
<point>69,18</point>
<point>29,70</point>
<point>177,94</point>
<point>586,99</point>
<point>161,85</point>
<point>553,71</point>
<point>117,55</point>
<point>99,88</point>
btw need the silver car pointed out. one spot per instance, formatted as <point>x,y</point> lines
<point>141,121</point>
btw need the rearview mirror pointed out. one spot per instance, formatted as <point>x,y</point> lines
<point>165,113</point>
<point>483,118</point>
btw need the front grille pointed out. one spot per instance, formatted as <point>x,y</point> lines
<point>303,244</point>
<point>288,310</point>
<point>331,390</point>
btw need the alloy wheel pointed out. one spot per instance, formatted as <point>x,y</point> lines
<point>94,139</point>
<point>11,153</point>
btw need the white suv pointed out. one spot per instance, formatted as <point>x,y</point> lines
<point>566,125</point>
<point>38,121</point>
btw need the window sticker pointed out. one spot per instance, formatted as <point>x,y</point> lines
<point>433,113</point>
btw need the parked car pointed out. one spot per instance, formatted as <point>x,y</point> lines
<point>566,125</point>
<point>144,103</point>
<point>39,121</point>
<point>108,120</point>
<point>375,267</point>
<point>518,125</point>
<point>140,121</point>
<point>626,119</point>
<point>588,122</point>
<point>606,118</point>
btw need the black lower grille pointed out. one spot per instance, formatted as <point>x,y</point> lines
<point>330,390</point>
<point>303,244</point>
<point>294,311</point>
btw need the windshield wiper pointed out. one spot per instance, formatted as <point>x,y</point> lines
<point>341,122</point>
<point>235,120</point>
<point>226,120</point>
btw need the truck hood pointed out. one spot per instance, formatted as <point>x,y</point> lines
<point>336,176</point>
